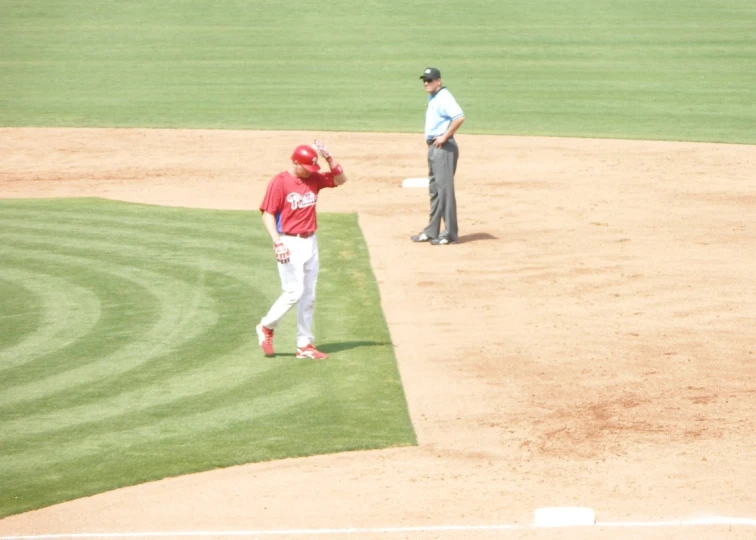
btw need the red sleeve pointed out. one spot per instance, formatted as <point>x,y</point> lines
<point>326,180</point>
<point>274,196</point>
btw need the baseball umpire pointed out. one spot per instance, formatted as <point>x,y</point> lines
<point>443,118</point>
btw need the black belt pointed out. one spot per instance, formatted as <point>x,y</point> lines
<point>300,235</point>
<point>430,141</point>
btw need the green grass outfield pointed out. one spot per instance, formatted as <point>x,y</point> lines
<point>650,69</point>
<point>128,351</point>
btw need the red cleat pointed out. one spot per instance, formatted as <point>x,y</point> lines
<point>265,337</point>
<point>310,352</point>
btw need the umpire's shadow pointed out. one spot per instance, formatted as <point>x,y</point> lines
<point>475,237</point>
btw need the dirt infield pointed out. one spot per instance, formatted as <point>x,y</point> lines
<point>590,342</point>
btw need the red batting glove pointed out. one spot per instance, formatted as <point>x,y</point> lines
<point>282,252</point>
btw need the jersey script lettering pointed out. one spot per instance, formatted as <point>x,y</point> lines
<point>297,200</point>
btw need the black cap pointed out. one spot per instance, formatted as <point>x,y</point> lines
<point>431,74</point>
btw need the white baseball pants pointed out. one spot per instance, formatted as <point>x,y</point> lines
<point>299,278</point>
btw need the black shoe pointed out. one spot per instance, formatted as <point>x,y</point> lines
<point>422,237</point>
<point>441,241</point>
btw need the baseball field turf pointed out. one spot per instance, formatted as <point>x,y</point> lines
<point>126,339</point>
<point>673,70</point>
<point>128,351</point>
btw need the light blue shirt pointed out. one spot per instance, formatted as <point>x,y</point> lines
<point>442,109</point>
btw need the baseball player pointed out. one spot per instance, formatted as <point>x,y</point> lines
<point>288,214</point>
<point>443,118</point>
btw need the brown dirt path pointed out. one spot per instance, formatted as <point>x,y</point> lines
<point>589,343</point>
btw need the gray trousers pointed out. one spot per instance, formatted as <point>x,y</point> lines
<point>442,164</point>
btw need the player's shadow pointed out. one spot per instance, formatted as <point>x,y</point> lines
<point>348,345</point>
<point>331,348</point>
<point>475,237</point>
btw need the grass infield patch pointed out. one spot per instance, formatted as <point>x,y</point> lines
<point>128,351</point>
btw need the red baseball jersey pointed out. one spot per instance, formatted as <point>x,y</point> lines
<point>292,200</point>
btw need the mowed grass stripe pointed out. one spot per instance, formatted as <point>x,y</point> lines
<point>188,385</point>
<point>232,284</point>
<point>157,378</point>
<point>45,314</point>
<point>180,312</point>
<point>23,312</point>
<point>184,397</point>
<point>116,312</point>
<point>161,423</point>
<point>203,227</point>
<point>152,245</point>
<point>165,362</point>
<point>190,438</point>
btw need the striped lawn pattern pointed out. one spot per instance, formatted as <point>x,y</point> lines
<point>128,351</point>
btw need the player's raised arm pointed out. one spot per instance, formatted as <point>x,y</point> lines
<point>337,170</point>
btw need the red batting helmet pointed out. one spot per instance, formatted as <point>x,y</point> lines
<point>306,156</point>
